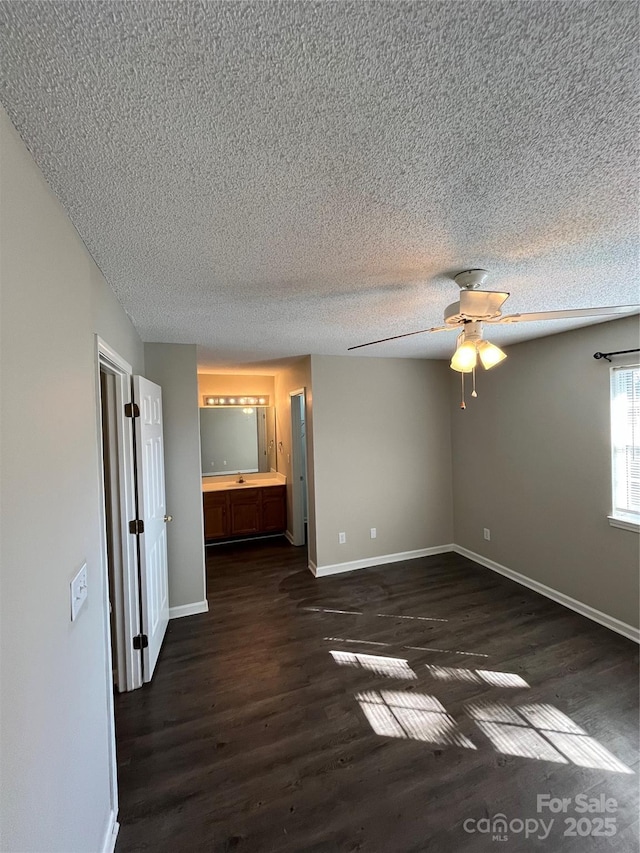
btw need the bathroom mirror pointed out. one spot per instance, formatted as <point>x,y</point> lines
<point>237,440</point>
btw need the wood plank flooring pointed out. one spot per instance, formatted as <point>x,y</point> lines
<point>376,711</point>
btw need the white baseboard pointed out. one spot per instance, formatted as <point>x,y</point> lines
<point>188,609</point>
<point>111,834</point>
<point>289,537</point>
<point>578,606</point>
<point>383,559</point>
<point>313,568</point>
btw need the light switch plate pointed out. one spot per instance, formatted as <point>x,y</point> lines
<point>78,591</point>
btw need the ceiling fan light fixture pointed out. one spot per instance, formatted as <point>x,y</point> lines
<point>490,354</point>
<point>465,357</point>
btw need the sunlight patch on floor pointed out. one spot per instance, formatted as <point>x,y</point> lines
<point>417,618</point>
<point>450,673</point>
<point>572,740</point>
<point>495,679</point>
<point>414,716</point>
<point>537,731</point>
<point>516,740</point>
<point>381,615</point>
<point>549,717</point>
<point>385,666</point>
<point>329,610</point>
<point>445,651</point>
<point>585,751</point>
<point>543,732</point>
<point>405,648</point>
<point>501,679</point>
<point>493,712</point>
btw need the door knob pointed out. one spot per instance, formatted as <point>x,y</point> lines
<point>168,518</point>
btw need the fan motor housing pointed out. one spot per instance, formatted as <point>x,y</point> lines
<point>454,317</point>
<point>475,305</point>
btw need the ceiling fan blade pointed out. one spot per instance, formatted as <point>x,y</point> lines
<point>406,335</point>
<point>481,304</point>
<point>567,315</point>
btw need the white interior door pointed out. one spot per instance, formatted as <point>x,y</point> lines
<point>152,511</point>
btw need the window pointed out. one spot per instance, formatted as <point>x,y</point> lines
<point>625,446</point>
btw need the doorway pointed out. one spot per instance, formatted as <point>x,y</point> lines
<point>299,490</point>
<point>118,546</point>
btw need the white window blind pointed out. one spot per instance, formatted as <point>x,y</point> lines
<point>625,442</point>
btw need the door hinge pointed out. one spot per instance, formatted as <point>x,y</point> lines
<point>141,641</point>
<point>136,526</point>
<point>131,410</point>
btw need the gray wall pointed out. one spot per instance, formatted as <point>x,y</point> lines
<point>54,765</point>
<point>531,461</point>
<point>174,368</point>
<point>382,456</point>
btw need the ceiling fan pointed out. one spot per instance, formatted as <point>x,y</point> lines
<point>476,307</point>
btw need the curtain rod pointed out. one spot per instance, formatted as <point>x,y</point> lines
<point>607,354</point>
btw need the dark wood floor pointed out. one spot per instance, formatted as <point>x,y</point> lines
<point>254,737</point>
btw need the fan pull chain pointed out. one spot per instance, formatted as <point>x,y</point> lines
<point>463,405</point>
<point>473,373</point>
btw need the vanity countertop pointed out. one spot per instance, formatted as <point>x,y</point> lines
<point>251,481</point>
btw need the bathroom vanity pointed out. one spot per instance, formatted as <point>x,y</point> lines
<point>242,493</point>
<point>252,508</point>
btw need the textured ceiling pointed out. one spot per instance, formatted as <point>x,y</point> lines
<point>274,179</point>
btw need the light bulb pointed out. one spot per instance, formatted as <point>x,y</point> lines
<point>465,357</point>
<point>490,354</point>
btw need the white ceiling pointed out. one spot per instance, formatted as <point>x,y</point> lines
<point>274,179</point>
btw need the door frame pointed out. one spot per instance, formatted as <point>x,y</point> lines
<point>298,489</point>
<point>127,604</point>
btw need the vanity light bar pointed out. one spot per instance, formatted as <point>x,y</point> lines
<point>234,400</point>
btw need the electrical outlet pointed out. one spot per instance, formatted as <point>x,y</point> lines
<point>374,532</point>
<point>78,591</point>
<point>487,534</point>
<point>342,538</point>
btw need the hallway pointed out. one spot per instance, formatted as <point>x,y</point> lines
<point>385,710</point>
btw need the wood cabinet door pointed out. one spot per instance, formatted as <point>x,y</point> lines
<point>216,524</point>
<point>274,509</point>
<point>244,511</point>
